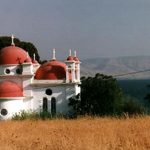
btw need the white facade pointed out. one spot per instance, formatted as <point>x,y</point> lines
<point>38,94</point>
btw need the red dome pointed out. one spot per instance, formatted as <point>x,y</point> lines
<point>70,58</point>
<point>75,59</point>
<point>52,70</point>
<point>13,55</point>
<point>34,61</point>
<point>10,89</point>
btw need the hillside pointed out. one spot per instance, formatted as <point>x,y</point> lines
<point>118,65</point>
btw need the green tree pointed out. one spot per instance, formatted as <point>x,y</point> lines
<point>31,49</point>
<point>100,95</point>
<point>27,46</point>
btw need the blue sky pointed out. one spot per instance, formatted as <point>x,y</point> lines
<point>95,28</point>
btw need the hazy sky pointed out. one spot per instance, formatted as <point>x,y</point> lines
<point>95,28</point>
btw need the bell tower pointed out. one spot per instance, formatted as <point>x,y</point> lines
<point>70,68</point>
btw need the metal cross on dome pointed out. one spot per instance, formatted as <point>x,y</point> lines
<point>12,40</point>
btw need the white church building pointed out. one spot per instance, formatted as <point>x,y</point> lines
<point>27,85</point>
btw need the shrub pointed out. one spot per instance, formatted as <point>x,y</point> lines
<point>132,107</point>
<point>22,115</point>
<point>32,115</point>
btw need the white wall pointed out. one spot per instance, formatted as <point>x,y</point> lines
<point>12,106</point>
<point>12,69</point>
<point>61,93</point>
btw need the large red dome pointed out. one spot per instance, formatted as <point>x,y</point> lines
<point>13,55</point>
<point>52,70</point>
<point>10,89</point>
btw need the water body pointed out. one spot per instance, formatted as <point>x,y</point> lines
<point>135,88</point>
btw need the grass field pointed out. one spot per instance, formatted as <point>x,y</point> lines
<point>80,134</point>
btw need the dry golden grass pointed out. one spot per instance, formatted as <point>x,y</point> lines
<point>80,134</point>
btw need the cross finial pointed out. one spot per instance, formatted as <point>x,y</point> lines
<point>69,52</point>
<point>54,57</point>
<point>12,40</point>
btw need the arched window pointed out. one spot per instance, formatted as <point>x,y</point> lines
<point>53,105</point>
<point>45,104</point>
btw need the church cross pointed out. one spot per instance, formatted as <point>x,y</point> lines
<point>12,40</point>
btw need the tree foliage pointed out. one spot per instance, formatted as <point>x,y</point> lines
<point>102,95</point>
<point>27,46</point>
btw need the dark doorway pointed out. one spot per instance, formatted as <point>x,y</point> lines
<point>53,105</point>
<point>45,104</point>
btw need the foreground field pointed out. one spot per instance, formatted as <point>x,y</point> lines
<point>80,134</point>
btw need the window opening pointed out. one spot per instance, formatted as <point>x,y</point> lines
<point>19,71</point>
<point>53,105</point>
<point>4,112</point>
<point>7,71</point>
<point>48,91</point>
<point>45,104</point>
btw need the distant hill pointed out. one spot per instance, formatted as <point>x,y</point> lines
<point>118,65</point>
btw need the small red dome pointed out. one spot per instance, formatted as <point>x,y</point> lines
<point>70,58</point>
<point>34,61</point>
<point>13,55</point>
<point>10,89</point>
<point>75,59</point>
<point>52,70</point>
